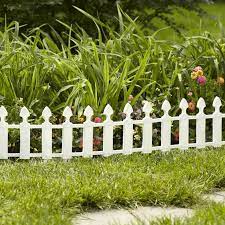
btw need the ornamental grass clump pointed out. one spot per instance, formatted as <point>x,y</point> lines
<point>76,70</point>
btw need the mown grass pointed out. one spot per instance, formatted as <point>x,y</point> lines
<point>212,22</point>
<point>35,192</point>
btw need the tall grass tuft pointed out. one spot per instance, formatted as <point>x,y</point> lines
<point>73,69</point>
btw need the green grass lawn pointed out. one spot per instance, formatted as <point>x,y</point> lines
<point>214,22</point>
<point>36,192</point>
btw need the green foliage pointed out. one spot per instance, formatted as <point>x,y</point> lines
<point>76,70</point>
<point>35,13</point>
<point>83,71</point>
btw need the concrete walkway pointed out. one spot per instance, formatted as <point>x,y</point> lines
<point>143,214</point>
<point>218,197</point>
<point>124,217</point>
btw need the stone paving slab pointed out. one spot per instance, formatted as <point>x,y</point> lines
<point>124,217</point>
<point>144,214</point>
<point>218,197</point>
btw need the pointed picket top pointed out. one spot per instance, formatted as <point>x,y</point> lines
<point>183,105</point>
<point>24,113</point>
<point>166,106</point>
<point>67,113</point>
<point>217,104</point>
<point>128,109</point>
<point>108,111</point>
<point>3,113</point>
<point>147,108</point>
<point>88,112</point>
<point>46,114</point>
<point>201,105</point>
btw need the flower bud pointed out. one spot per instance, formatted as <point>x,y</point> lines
<point>81,119</point>
<point>201,80</point>
<point>194,75</point>
<point>98,120</point>
<point>197,68</point>
<point>220,80</point>
<point>191,106</point>
<point>200,73</point>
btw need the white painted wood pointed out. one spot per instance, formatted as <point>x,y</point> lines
<point>24,134</point>
<point>46,134</point>
<point>67,135</point>
<point>200,124</point>
<point>128,130</point>
<point>147,128</point>
<point>108,124</point>
<point>88,133</point>
<point>217,123</point>
<point>3,134</point>
<point>183,125</point>
<point>108,132</point>
<point>166,127</point>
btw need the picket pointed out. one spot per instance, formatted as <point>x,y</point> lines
<point>88,133</point>
<point>183,125</point>
<point>200,124</point>
<point>67,134</point>
<point>147,128</point>
<point>217,123</point>
<point>46,134</point>
<point>3,134</point>
<point>24,134</point>
<point>128,130</point>
<point>108,131</point>
<point>166,127</point>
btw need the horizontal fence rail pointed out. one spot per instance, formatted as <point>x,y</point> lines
<point>108,125</point>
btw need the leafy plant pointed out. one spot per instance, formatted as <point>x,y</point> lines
<point>36,71</point>
<point>36,13</point>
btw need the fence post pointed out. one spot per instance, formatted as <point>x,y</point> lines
<point>46,134</point>
<point>67,135</point>
<point>24,134</point>
<point>166,126</point>
<point>183,125</point>
<point>108,131</point>
<point>128,130</point>
<point>3,134</point>
<point>88,133</point>
<point>200,124</point>
<point>147,128</point>
<point>217,123</point>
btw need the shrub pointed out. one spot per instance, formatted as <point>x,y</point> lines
<point>127,66</point>
<point>36,13</point>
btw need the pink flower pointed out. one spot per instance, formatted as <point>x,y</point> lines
<point>197,68</point>
<point>201,80</point>
<point>97,141</point>
<point>190,93</point>
<point>98,120</point>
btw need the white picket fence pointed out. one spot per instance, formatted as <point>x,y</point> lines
<point>108,130</point>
